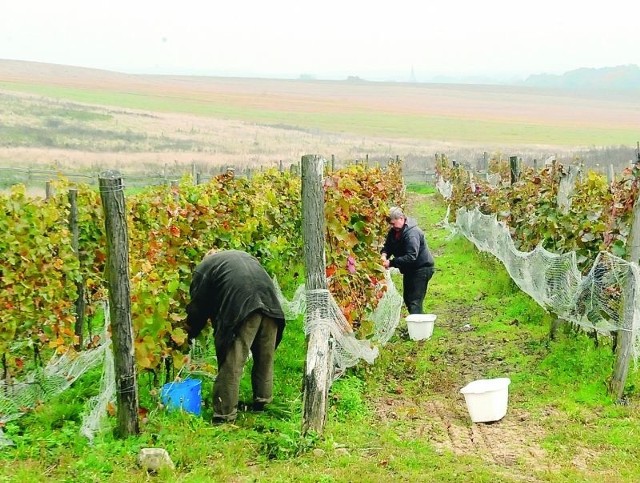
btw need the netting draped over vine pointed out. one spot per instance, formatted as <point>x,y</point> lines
<point>445,188</point>
<point>19,397</point>
<point>606,299</point>
<point>387,313</point>
<point>319,308</point>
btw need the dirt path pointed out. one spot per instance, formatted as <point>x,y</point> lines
<point>437,413</point>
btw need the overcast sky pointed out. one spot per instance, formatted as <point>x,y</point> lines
<point>498,39</point>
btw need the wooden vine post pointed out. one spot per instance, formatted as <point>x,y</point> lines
<point>115,222</point>
<point>48,190</point>
<point>514,168</point>
<point>624,347</point>
<point>611,175</point>
<point>75,230</point>
<point>318,371</point>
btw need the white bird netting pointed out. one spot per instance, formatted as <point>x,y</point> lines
<point>494,179</point>
<point>445,188</point>
<point>319,307</point>
<point>607,299</point>
<point>19,397</point>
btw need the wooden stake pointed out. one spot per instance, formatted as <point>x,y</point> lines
<point>115,222</point>
<point>318,372</point>
<point>75,245</point>
<point>626,336</point>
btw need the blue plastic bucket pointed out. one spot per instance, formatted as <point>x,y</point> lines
<point>185,395</point>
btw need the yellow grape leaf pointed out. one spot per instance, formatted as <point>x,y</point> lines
<point>53,344</point>
<point>144,361</point>
<point>176,317</point>
<point>111,409</point>
<point>179,336</point>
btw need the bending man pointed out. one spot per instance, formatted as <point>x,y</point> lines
<point>235,292</point>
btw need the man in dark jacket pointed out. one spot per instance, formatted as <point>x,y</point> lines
<point>235,292</point>
<point>406,249</point>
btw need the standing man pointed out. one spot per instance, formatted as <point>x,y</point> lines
<point>406,249</point>
<point>234,291</point>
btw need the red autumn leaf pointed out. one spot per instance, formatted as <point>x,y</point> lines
<point>331,270</point>
<point>174,230</point>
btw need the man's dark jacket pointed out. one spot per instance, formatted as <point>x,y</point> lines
<point>410,251</point>
<point>227,287</point>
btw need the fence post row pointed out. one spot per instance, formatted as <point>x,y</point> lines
<point>115,221</point>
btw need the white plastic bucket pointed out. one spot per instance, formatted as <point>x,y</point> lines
<point>487,399</point>
<point>420,326</point>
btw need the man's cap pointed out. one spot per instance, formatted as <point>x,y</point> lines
<point>395,213</point>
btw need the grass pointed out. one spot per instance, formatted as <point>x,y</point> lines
<point>356,119</point>
<point>54,124</point>
<point>400,419</point>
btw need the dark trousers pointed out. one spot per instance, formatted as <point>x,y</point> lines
<point>414,288</point>
<point>258,335</point>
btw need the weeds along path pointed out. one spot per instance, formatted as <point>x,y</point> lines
<point>477,333</point>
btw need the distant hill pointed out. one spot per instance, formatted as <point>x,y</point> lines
<point>622,77</point>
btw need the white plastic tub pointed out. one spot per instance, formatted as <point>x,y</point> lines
<point>420,326</point>
<point>487,399</point>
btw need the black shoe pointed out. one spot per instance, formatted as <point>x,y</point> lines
<point>258,406</point>
<point>219,420</point>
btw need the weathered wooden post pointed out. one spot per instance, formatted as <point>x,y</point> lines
<point>75,245</point>
<point>611,178</point>
<point>175,190</point>
<point>48,190</point>
<point>513,167</point>
<point>281,168</point>
<point>115,222</point>
<point>318,372</point>
<point>553,330</point>
<point>626,336</point>
<point>566,187</point>
<point>194,173</point>
<point>333,163</point>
